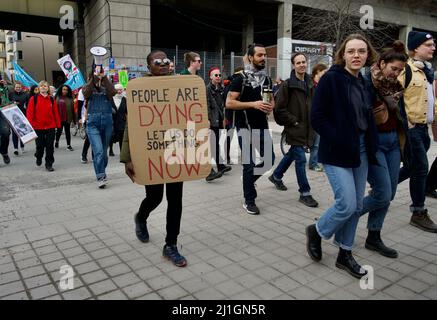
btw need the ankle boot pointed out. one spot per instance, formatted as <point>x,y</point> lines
<point>346,261</point>
<point>374,242</point>
<point>314,243</point>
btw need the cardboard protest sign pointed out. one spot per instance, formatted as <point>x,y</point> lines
<point>168,129</point>
<point>19,123</point>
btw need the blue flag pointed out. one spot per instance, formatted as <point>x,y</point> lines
<point>21,76</point>
<point>75,81</point>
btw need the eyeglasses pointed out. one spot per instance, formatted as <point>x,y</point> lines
<point>158,62</point>
<point>217,75</point>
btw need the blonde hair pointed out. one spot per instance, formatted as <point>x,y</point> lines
<point>43,82</point>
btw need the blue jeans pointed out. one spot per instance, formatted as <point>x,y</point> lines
<point>342,218</point>
<point>314,149</point>
<point>418,143</point>
<point>99,132</point>
<point>248,146</point>
<point>294,153</point>
<point>383,180</point>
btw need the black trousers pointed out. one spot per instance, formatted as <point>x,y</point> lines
<point>64,125</point>
<point>431,178</point>
<point>86,146</point>
<point>154,194</point>
<point>45,142</point>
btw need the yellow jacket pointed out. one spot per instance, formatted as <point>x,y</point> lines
<point>416,96</point>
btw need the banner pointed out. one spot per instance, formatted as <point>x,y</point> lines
<point>168,129</point>
<point>21,76</point>
<point>19,123</point>
<point>75,82</point>
<point>67,65</point>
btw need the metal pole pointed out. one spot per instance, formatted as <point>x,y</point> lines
<point>176,59</point>
<point>232,62</point>
<point>221,61</point>
<point>110,32</point>
<point>204,65</point>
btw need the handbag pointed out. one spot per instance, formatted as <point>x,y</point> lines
<point>380,114</point>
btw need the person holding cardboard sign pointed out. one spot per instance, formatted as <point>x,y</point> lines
<point>158,64</point>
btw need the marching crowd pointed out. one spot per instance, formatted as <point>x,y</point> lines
<point>359,126</point>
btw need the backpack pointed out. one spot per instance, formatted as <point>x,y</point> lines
<point>35,101</point>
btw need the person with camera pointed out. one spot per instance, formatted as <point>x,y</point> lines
<point>99,92</point>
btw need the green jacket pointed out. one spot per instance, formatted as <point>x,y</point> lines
<point>185,72</point>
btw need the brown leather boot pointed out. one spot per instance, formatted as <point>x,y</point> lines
<point>421,220</point>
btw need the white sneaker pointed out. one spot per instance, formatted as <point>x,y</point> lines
<point>102,183</point>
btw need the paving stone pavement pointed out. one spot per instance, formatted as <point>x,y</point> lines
<point>48,220</point>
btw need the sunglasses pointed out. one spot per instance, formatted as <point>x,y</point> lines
<point>158,62</point>
<point>217,75</point>
<point>200,61</point>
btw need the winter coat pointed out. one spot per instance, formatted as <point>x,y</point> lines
<point>292,110</point>
<point>215,105</point>
<point>45,115</point>
<point>333,118</point>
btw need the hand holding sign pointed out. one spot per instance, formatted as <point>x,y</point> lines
<point>168,129</point>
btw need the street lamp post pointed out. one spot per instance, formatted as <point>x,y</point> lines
<point>43,55</point>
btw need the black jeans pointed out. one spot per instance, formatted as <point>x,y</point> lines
<point>15,140</point>
<point>251,141</point>
<point>66,125</point>
<point>4,135</point>
<point>86,146</point>
<point>45,141</point>
<point>154,194</point>
<point>418,143</point>
<point>431,179</point>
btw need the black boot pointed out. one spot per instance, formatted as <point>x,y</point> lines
<point>141,229</point>
<point>346,261</point>
<point>314,243</point>
<point>374,242</point>
<point>214,175</point>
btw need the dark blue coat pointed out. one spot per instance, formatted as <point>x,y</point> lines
<point>333,118</point>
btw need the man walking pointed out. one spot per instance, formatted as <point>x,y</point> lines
<point>250,93</point>
<point>292,110</point>
<point>420,107</point>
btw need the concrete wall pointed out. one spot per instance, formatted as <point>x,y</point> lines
<point>130,26</point>
<point>32,61</point>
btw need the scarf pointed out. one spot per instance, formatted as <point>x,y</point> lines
<point>390,90</point>
<point>255,77</point>
<point>426,67</point>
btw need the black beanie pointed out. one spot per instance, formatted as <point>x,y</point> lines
<point>416,38</point>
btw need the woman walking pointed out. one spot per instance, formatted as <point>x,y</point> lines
<point>65,102</point>
<point>158,64</point>
<point>341,116</point>
<point>386,92</point>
